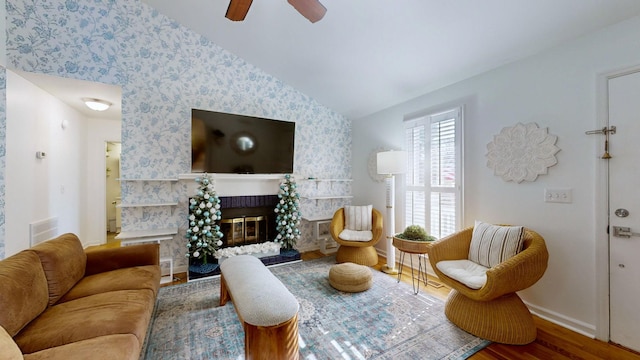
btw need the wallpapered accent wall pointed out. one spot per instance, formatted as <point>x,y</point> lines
<point>165,70</point>
<point>3,151</point>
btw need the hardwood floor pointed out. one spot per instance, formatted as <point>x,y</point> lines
<point>553,341</point>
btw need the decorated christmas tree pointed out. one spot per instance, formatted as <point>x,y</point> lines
<point>204,234</point>
<point>288,214</point>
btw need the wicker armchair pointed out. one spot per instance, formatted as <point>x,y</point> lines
<point>359,252</point>
<point>493,312</point>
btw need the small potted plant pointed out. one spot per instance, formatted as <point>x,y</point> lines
<point>414,239</point>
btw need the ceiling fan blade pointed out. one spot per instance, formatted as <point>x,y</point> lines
<point>238,9</point>
<point>313,10</point>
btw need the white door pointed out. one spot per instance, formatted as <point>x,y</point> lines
<point>624,210</point>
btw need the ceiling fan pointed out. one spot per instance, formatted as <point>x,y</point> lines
<point>313,10</point>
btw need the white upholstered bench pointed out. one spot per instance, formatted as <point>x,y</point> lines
<point>266,308</point>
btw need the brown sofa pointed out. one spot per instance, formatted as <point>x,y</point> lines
<point>58,301</point>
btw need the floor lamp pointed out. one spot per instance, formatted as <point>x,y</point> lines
<point>390,163</point>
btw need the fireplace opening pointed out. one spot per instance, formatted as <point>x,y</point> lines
<point>247,219</point>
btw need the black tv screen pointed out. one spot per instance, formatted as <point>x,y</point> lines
<point>237,144</point>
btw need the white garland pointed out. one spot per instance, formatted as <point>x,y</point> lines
<point>264,248</point>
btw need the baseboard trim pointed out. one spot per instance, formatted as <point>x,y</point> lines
<point>180,269</point>
<point>588,330</point>
<point>93,243</point>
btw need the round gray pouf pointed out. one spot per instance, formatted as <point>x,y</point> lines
<point>350,277</point>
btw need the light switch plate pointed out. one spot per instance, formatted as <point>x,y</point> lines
<point>558,195</point>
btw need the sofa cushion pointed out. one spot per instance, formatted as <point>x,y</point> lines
<point>107,259</point>
<point>115,312</point>
<point>23,291</point>
<point>358,217</point>
<point>108,347</point>
<point>467,272</point>
<point>133,278</point>
<point>493,244</point>
<point>63,260</point>
<point>8,348</point>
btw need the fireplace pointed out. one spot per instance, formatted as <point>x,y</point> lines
<point>247,219</point>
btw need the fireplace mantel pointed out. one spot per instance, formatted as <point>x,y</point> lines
<point>239,184</point>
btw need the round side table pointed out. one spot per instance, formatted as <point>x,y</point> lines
<point>420,248</point>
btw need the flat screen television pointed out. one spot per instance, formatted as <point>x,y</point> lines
<point>237,144</point>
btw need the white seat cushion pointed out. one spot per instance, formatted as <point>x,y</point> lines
<point>467,272</point>
<point>353,235</point>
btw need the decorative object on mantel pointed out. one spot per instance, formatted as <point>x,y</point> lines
<point>204,234</point>
<point>288,213</point>
<point>522,152</point>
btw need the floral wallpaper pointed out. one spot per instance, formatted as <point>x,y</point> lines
<point>3,151</point>
<point>165,70</point>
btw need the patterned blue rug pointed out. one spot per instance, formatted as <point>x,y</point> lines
<point>385,322</point>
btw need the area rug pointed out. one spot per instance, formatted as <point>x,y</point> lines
<point>385,322</point>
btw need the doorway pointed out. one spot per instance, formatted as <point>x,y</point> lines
<point>624,209</point>
<point>112,189</point>
<point>88,132</point>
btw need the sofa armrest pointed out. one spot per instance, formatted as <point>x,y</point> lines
<point>102,260</point>
<point>520,271</point>
<point>8,348</point>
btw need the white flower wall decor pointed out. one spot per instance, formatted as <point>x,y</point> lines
<point>522,152</point>
<point>372,165</point>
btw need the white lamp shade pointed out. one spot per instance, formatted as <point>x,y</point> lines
<point>392,162</point>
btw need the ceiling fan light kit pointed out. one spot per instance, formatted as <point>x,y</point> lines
<point>313,10</point>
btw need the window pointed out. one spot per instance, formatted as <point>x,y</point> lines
<point>433,193</point>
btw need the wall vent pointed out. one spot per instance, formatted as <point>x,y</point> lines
<point>43,230</point>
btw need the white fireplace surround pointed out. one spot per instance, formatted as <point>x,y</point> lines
<point>238,184</point>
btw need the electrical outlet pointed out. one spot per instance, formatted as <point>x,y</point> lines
<point>558,195</point>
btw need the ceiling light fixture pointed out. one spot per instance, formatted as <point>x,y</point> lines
<point>96,104</point>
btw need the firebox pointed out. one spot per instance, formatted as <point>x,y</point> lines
<point>247,219</point>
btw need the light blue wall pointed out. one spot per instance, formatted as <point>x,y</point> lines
<point>165,70</point>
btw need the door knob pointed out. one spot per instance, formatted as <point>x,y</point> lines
<point>622,213</point>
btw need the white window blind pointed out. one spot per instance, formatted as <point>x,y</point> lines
<point>433,189</point>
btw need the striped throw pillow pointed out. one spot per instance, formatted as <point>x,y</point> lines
<point>358,217</point>
<point>493,244</point>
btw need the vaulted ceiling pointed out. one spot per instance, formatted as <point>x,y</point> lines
<point>366,55</point>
